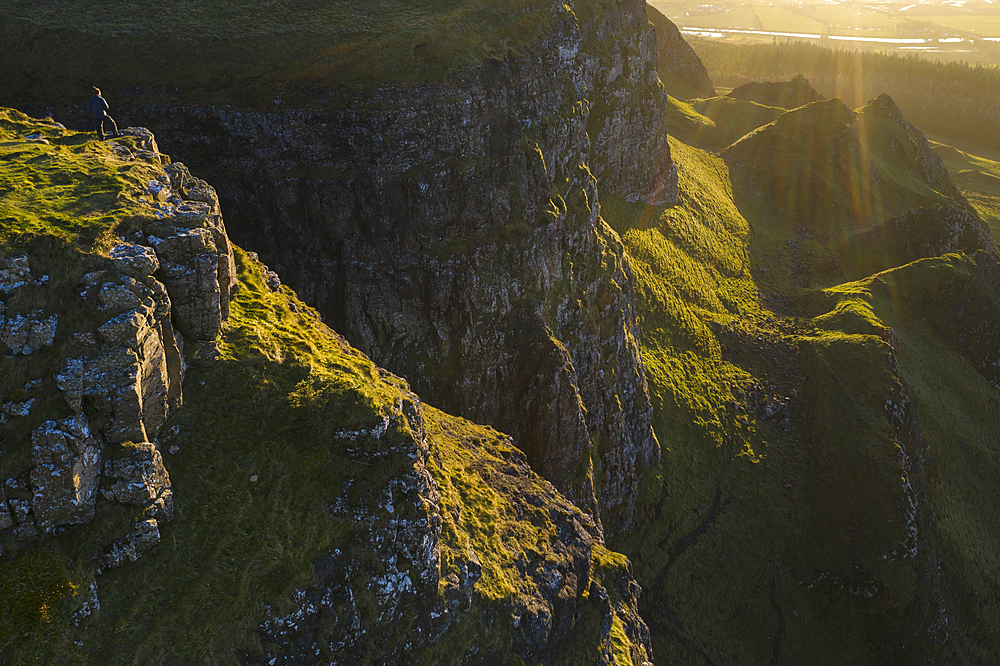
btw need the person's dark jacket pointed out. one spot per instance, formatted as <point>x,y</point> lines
<point>98,105</point>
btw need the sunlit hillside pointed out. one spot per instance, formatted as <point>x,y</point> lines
<point>576,343</point>
<point>815,389</point>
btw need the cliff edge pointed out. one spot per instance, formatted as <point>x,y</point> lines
<point>176,421</point>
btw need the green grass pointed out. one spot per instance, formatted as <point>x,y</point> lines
<point>732,118</point>
<point>955,100</point>
<point>32,585</point>
<point>246,53</point>
<point>64,204</point>
<point>513,521</point>
<point>73,187</point>
<point>977,175</point>
<point>258,466</point>
<point>781,481</point>
<point>268,408</point>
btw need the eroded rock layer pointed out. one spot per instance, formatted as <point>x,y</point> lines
<point>452,232</point>
<point>102,381</point>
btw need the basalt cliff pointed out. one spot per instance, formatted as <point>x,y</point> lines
<point>715,377</point>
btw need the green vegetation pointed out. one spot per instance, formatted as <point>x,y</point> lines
<point>953,100</point>
<point>978,177</point>
<point>778,527</point>
<point>64,185</point>
<point>65,198</point>
<point>32,586</point>
<point>731,119</point>
<point>513,522</point>
<point>257,467</point>
<point>246,53</point>
<point>234,545</point>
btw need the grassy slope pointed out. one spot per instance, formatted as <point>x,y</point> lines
<point>763,533</point>
<point>978,176</point>
<point>60,203</point>
<point>69,187</point>
<point>256,470</point>
<point>248,52</point>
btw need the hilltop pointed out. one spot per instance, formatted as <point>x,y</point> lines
<point>818,378</point>
<point>246,53</point>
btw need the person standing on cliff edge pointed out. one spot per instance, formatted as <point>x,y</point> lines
<point>99,106</point>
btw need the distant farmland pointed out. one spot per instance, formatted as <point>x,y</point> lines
<point>968,33</point>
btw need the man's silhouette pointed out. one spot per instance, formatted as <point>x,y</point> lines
<point>99,106</point>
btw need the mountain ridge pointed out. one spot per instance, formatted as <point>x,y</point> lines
<point>813,386</point>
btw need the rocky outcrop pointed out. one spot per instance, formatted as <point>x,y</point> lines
<point>397,569</point>
<point>910,145</point>
<point>112,378</point>
<point>65,475</point>
<point>131,547</point>
<point>917,233</point>
<point>783,94</point>
<point>140,479</point>
<point>410,520</point>
<point>675,57</point>
<point>451,231</point>
<point>827,154</point>
<point>629,154</point>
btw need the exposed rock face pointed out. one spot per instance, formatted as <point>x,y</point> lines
<point>629,151</point>
<point>119,372</point>
<point>140,479</point>
<point>917,233</point>
<point>131,547</point>
<point>675,57</point>
<point>14,272</point>
<point>401,523</point>
<point>64,479</point>
<point>451,231</point>
<point>402,526</point>
<point>397,569</point>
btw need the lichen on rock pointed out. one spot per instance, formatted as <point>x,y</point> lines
<point>116,365</point>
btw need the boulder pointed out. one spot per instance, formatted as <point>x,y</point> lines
<point>189,270</point>
<point>131,547</point>
<point>14,273</point>
<point>26,334</point>
<point>139,478</point>
<point>135,260</point>
<point>64,478</point>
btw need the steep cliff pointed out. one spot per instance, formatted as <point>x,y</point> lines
<point>680,68</point>
<point>93,363</point>
<point>452,231</point>
<point>807,331</point>
<point>293,501</point>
